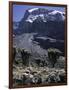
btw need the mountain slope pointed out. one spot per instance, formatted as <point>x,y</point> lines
<point>49,24</point>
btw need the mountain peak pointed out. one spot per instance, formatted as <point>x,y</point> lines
<point>42,20</point>
<point>44,14</point>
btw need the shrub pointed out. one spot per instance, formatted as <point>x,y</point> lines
<point>53,55</point>
<point>25,57</point>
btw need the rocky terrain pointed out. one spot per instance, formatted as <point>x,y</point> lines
<point>34,75</point>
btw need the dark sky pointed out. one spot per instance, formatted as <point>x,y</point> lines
<point>19,10</point>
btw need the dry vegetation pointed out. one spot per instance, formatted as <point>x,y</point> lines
<point>27,71</point>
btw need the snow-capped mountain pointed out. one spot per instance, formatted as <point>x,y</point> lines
<point>49,26</point>
<point>44,15</point>
<point>42,20</point>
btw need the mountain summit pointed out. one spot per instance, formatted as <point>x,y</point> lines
<point>44,14</point>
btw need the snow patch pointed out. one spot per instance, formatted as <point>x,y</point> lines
<point>31,10</point>
<point>55,12</point>
<point>29,20</point>
<point>32,18</point>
